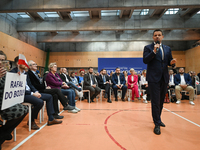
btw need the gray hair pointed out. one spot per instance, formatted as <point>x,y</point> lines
<point>51,65</point>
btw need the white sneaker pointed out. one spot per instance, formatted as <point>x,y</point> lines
<point>192,103</point>
<point>72,111</point>
<point>76,108</point>
<point>144,97</point>
<point>178,102</point>
<point>145,101</point>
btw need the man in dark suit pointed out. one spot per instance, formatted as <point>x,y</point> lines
<point>39,84</point>
<point>90,83</point>
<point>103,83</point>
<point>183,81</point>
<point>157,57</point>
<point>36,99</point>
<point>66,78</point>
<point>119,82</point>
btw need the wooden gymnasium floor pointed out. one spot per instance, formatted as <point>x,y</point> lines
<point>115,126</point>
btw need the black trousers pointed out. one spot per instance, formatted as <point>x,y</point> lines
<point>9,127</point>
<point>57,95</point>
<point>157,94</point>
<point>124,89</point>
<point>107,89</point>
<point>147,91</point>
<point>38,104</point>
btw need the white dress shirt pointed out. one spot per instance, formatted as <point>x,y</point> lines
<point>118,80</point>
<point>182,80</point>
<point>171,80</point>
<point>143,80</point>
<point>161,50</point>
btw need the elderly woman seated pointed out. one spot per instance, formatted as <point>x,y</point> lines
<point>54,81</point>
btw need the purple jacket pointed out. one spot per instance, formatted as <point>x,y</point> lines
<point>53,81</point>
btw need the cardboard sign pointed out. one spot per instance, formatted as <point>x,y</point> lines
<point>14,90</point>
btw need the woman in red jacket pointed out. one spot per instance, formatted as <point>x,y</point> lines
<point>132,83</point>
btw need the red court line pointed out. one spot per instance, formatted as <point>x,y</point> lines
<point>106,128</point>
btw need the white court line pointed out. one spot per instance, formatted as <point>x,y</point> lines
<point>182,117</point>
<point>26,139</point>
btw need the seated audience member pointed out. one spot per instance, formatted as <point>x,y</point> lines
<point>81,77</point>
<point>90,83</point>
<point>111,76</point>
<point>144,85</point>
<point>38,83</point>
<point>60,71</point>
<point>54,81</point>
<point>13,115</point>
<point>103,82</point>
<point>194,79</point>
<point>183,82</point>
<point>171,79</point>
<point>132,83</point>
<point>74,80</point>
<point>119,82</point>
<point>126,77</point>
<point>35,98</point>
<point>66,78</point>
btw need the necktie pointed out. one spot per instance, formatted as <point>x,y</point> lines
<point>160,53</point>
<point>92,79</point>
<point>104,79</point>
<point>38,77</point>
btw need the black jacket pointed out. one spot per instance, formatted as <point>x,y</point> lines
<point>62,76</point>
<point>100,80</point>
<point>35,82</point>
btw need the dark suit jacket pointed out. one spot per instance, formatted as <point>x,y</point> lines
<point>177,79</point>
<point>87,81</point>
<point>35,82</point>
<point>156,67</point>
<point>100,80</point>
<point>115,79</point>
<point>62,76</point>
<point>32,88</point>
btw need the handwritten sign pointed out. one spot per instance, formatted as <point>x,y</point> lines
<point>14,90</point>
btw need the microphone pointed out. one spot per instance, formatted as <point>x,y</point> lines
<point>157,49</point>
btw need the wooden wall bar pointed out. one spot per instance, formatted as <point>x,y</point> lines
<point>86,59</point>
<point>192,57</point>
<point>13,47</point>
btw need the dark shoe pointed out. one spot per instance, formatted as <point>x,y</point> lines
<point>116,99</point>
<point>162,124</point>
<point>54,122</point>
<point>1,123</point>
<point>79,89</point>
<point>68,107</point>
<point>105,96</point>
<point>8,136</point>
<point>109,101</point>
<point>123,99</point>
<point>34,126</point>
<point>58,117</point>
<point>157,130</point>
<point>92,100</point>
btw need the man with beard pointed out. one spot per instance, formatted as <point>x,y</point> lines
<point>103,82</point>
<point>183,81</point>
<point>119,82</point>
<point>90,83</point>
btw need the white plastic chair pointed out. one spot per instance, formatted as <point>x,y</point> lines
<point>29,111</point>
<point>85,91</point>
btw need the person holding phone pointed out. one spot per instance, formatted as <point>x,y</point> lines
<point>13,115</point>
